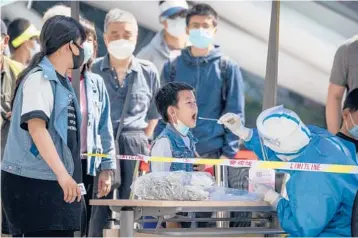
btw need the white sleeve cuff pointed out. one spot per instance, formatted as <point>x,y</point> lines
<point>273,198</point>
<point>246,134</point>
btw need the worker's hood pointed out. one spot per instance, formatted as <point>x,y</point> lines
<point>282,131</point>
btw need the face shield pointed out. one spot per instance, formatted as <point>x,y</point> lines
<point>282,131</point>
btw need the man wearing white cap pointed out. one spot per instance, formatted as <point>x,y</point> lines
<point>167,43</point>
<point>318,203</point>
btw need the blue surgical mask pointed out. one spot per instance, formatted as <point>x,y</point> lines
<point>201,38</point>
<point>88,51</point>
<point>181,128</point>
<point>354,130</point>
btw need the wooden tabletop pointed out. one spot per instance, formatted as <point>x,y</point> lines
<point>160,203</point>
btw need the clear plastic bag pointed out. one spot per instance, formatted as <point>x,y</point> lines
<point>177,185</point>
<point>185,186</point>
<point>232,194</point>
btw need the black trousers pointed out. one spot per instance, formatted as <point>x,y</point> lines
<point>88,183</point>
<point>130,143</point>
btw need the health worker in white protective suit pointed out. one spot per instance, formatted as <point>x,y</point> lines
<point>318,203</point>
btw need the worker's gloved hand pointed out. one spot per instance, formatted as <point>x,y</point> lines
<point>233,123</point>
<point>269,195</point>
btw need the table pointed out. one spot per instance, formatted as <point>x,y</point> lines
<point>131,210</point>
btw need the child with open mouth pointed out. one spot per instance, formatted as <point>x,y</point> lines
<point>176,103</point>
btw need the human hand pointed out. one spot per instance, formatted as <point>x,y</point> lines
<point>223,157</point>
<point>199,167</point>
<point>69,187</point>
<point>269,194</point>
<point>104,183</point>
<point>8,115</point>
<point>233,123</point>
<point>261,189</point>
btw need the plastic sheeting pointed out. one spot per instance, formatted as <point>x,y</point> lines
<point>186,186</point>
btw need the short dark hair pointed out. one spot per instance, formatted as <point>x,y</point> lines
<point>15,29</point>
<point>168,96</point>
<point>202,9</point>
<point>351,101</point>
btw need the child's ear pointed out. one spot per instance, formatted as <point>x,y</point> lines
<point>345,114</point>
<point>171,114</point>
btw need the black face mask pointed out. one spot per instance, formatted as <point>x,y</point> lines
<point>77,59</point>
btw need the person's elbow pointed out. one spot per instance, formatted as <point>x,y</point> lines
<point>335,94</point>
<point>36,127</point>
<point>150,128</point>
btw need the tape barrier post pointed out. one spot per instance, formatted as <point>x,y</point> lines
<point>217,168</point>
<point>221,180</point>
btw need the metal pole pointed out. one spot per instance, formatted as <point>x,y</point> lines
<point>270,90</point>
<point>221,178</point>
<point>127,222</point>
<point>76,74</point>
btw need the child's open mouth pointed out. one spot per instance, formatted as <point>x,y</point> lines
<point>194,116</point>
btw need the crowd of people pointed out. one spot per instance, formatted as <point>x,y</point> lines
<point>180,97</point>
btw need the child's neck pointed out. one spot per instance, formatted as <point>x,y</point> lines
<point>177,130</point>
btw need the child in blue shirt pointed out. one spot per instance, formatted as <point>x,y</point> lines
<point>177,105</point>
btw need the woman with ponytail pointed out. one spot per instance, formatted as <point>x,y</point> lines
<point>41,168</point>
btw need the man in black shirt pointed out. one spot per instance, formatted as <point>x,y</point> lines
<point>349,129</point>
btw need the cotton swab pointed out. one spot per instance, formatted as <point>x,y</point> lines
<point>207,119</point>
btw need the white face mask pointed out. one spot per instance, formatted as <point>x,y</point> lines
<point>176,27</point>
<point>121,49</point>
<point>87,51</point>
<point>7,51</point>
<point>36,49</point>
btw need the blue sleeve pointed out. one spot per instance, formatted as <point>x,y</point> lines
<point>106,132</point>
<point>235,103</point>
<point>254,144</point>
<point>164,77</point>
<point>152,111</point>
<point>312,205</point>
<point>161,124</point>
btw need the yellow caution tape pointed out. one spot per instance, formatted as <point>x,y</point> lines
<point>295,166</point>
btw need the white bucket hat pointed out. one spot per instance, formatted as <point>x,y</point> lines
<point>282,130</point>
